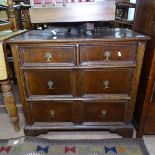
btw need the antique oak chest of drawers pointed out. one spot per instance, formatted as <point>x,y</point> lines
<point>78,82</point>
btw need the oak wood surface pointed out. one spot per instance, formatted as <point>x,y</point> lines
<point>103,111</point>
<point>106,35</point>
<point>81,88</point>
<point>94,81</point>
<point>48,55</point>
<point>57,111</point>
<point>45,82</point>
<point>117,53</point>
<point>125,131</point>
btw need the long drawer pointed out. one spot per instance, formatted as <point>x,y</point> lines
<point>40,55</point>
<point>52,111</point>
<point>106,81</point>
<point>99,111</point>
<point>49,82</point>
<point>91,111</point>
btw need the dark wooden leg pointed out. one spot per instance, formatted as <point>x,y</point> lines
<point>124,132</point>
<point>34,133</point>
<point>9,102</point>
<point>139,133</point>
<point>12,16</point>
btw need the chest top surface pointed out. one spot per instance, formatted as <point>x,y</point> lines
<point>75,35</point>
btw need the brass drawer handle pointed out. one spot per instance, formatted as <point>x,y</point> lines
<point>50,84</point>
<point>103,113</point>
<point>48,56</point>
<point>106,84</point>
<point>107,55</point>
<point>52,114</point>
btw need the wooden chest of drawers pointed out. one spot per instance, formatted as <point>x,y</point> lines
<point>78,82</point>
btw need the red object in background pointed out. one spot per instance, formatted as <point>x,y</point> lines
<point>40,1</point>
<point>60,1</point>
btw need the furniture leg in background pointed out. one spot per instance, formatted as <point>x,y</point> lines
<point>9,102</point>
<point>6,87</point>
<point>11,27</point>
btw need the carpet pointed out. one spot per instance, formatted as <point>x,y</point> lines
<point>41,146</point>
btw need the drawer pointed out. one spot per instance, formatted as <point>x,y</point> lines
<point>50,55</point>
<point>103,111</point>
<point>51,111</point>
<point>106,53</point>
<point>48,82</point>
<point>108,81</point>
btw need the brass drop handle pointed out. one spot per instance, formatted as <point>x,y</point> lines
<point>50,84</point>
<point>107,55</point>
<point>52,114</point>
<point>106,84</point>
<point>48,56</point>
<point>103,113</point>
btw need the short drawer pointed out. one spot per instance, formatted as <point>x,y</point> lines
<point>106,53</point>
<point>51,111</point>
<point>103,111</point>
<point>48,82</point>
<point>108,81</point>
<point>50,55</point>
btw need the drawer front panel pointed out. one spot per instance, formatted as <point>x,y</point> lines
<point>55,82</point>
<point>54,55</point>
<point>52,111</point>
<point>115,81</point>
<point>103,111</point>
<point>99,54</point>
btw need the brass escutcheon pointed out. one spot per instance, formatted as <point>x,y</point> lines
<point>52,113</point>
<point>103,113</point>
<point>48,56</point>
<point>50,84</point>
<point>106,84</point>
<point>107,55</point>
